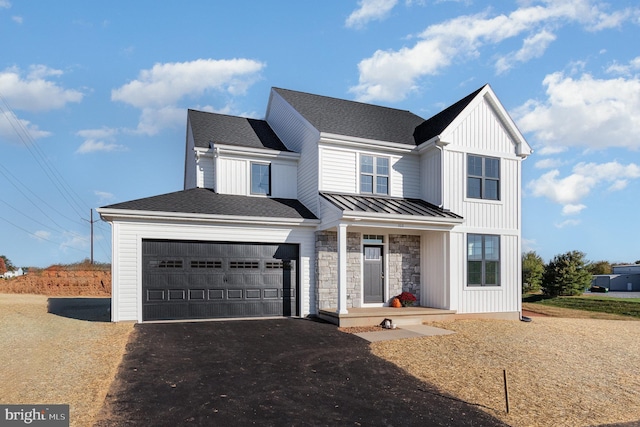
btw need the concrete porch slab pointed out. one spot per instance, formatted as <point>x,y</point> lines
<point>361,316</point>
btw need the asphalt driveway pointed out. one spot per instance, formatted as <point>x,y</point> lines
<point>284,372</point>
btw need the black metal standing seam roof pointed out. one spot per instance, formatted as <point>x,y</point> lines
<point>356,119</point>
<point>232,130</point>
<point>387,205</point>
<point>206,201</point>
<point>435,125</point>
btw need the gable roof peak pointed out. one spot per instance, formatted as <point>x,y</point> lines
<point>435,125</point>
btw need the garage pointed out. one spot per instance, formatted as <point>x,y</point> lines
<point>184,280</point>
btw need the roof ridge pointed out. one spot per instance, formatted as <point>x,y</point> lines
<point>345,100</point>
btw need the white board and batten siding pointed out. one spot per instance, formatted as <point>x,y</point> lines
<point>480,132</point>
<point>505,298</point>
<point>431,176</point>
<point>298,135</point>
<point>340,171</point>
<point>435,264</point>
<point>126,301</point>
<point>234,176</point>
<point>190,178</point>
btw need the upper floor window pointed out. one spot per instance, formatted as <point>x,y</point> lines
<point>260,178</point>
<point>483,177</point>
<point>374,174</point>
<point>483,260</point>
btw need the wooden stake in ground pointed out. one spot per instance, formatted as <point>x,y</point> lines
<point>506,389</point>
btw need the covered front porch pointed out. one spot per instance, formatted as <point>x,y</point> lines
<point>375,248</point>
<point>371,316</point>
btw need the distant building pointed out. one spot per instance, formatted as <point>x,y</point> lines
<point>10,274</point>
<point>624,278</point>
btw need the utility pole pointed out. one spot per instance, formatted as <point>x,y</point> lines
<point>91,236</point>
<point>91,222</point>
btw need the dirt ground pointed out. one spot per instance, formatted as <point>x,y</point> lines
<point>560,372</point>
<point>49,358</point>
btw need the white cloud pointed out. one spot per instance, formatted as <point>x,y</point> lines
<point>101,133</point>
<point>17,19</point>
<point>99,140</point>
<point>92,145</point>
<point>572,189</point>
<point>103,196</point>
<point>532,47</point>
<point>41,235</point>
<point>33,91</point>
<point>572,209</point>
<point>567,223</point>
<point>157,91</point>
<point>548,163</point>
<point>625,69</point>
<point>5,4</point>
<point>165,84</point>
<point>551,149</point>
<point>462,38</point>
<point>529,245</point>
<point>586,112</point>
<point>153,120</point>
<point>13,129</point>
<point>369,10</point>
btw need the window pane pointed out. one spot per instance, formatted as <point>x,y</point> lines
<point>366,164</point>
<point>491,247</point>
<point>474,165</point>
<point>382,166</point>
<point>474,247</point>
<point>473,188</point>
<point>492,168</point>
<point>492,273</point>
<point>259,178</point>
<point>474,272</point>
<point>491,189</point>
<point>366,183</point>
<point>382,185</point>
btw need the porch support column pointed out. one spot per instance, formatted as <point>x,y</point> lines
<point>342,269</point>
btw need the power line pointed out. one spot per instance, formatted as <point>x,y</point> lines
<point>39,237</point>
<point>52,173</point>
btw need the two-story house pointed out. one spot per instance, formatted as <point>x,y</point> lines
<point>327,207</point>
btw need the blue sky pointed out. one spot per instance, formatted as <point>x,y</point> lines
<point>93,100</point>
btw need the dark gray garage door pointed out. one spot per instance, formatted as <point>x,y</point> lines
<point>203,280</point>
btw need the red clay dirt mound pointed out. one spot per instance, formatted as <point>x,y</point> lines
<point>59,282</point>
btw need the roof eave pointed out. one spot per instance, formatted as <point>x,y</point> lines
<point>336,139</point>
<point>401,219</point>
<point>109,214</point>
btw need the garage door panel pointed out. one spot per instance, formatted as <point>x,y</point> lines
<point>199,280</point>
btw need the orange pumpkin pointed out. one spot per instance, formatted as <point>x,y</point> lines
<point>396,303</point>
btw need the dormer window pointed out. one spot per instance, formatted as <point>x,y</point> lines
<point>261,178</point>
<point>374,174</point>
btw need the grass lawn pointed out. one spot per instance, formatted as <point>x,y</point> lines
<point>629,307</point>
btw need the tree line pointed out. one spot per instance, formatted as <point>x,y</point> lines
<point>565,275</point>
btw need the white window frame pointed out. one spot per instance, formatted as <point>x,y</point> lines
<point>374,175</point>
<point>269,189</point>
<point>483,177</point>
<point>483,260</point>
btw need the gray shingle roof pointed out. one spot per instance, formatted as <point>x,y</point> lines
<point>206,201</point>
<point>438,123</point>
<point>388,205</point>
<point>356,119</point>
<point>232,130</point>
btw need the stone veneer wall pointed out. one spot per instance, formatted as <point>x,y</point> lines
<point>327,269</point>
<point>404,264</point>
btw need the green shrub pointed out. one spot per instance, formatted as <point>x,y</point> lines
<point>566,275</point>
